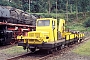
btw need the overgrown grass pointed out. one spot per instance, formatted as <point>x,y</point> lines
<point>71,16</point>
<point>84,49</point>
<point>76,27</point>
<point>51,15</point>
<point>13,50</point>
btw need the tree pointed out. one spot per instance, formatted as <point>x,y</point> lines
<point>76,9</point>
<point>67,9</point>
<point>25,6</point>
<point>83,5</point>
<point>49,6</point>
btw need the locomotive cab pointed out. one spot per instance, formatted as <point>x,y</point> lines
<point>49,26</point>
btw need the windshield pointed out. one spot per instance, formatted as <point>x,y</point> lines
<point>43,23</point>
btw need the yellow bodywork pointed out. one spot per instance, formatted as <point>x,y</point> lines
<point>43,34</point>
<point>80,35</point>
<point>61,28</point>
<point>70,36</point>
<point>46,31</point>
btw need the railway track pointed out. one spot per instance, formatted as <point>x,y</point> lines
<point>30,56</point>
<point>43,56</point>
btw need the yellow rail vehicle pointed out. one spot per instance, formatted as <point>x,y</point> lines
<point>48,35</point>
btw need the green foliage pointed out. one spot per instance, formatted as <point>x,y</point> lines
<point>4,3</point>
<point>25,6</point>
<point>84,5</point>
<point>43,6</point>
<point>76,27</point>
<point>13,4</point>
<point>87,22</point>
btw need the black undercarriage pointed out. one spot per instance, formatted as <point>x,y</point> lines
<point>48,46</point>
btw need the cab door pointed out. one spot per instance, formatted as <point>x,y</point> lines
<point>54,28</point>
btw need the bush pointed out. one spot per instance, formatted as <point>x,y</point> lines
<point>87,22</point>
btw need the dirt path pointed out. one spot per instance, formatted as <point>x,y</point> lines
<point>73,56</point>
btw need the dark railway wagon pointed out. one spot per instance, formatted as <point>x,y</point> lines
<point>12,15</point>
<point>12,22</point>
<point>5,37</point>
<point>4,12</point>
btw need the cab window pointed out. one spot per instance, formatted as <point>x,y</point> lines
<point>53,23</point>
<point>43,23</point>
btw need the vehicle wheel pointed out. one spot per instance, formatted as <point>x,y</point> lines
<point>49,51</point>
<point>12,42</point>
<point>58,48</point>
<point>24,47</point>
<point>80,40</point>
<point>62,46</point>
<point>3,43</point>
<point>32,49</point>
